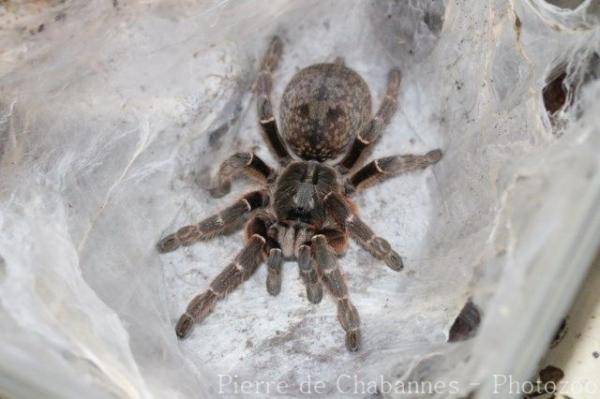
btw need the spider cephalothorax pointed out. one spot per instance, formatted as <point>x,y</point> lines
<point>304,212</point>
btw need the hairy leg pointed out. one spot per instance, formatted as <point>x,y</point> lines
<point>264,86</point>
<point>274,261</point>
<point>343,213</point>
<point>241,163</point>
<point>382,168</point>
<point>215,224</point>
<point>333,279</point>
<point>244,265</point>
<point>373,130</point>
<point>308,271</point>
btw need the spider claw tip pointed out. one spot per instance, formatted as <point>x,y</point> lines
<point>167,244</point>
<point>394,261</point>
<point>184,325</point>
<point>353,340</point>
<point>435,155</point>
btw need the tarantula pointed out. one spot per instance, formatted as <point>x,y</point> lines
<point>303,212</point>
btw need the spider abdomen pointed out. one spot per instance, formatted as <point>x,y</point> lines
<point>322,109</point>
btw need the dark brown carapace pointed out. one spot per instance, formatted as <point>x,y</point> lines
<point>303,211</point>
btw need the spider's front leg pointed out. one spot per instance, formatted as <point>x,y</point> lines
<point>308,271</point>
<point>246,163</point>
<point>343,213</point>
<point>382,168</point>
<point>306,261</point>
<point>244,265</point>
<point>332,277</point>
<point>215,224</point>
<point>274,262</point>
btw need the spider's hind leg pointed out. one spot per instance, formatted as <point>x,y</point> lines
<point>343,213</point>
<point>263,87</point>
<point>373,129</point>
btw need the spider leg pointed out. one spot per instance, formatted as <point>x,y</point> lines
<point>245,163</point>
<point>264,86</point>
<point>308,271</point>
<point>274,261</point>
<point>244,265</point>
<point>342,212</point>
<point>382,168</point>
<point>333,279</point>
<point>373,129</point>
<point>215,224</point>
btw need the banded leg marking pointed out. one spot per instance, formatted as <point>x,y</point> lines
<point>215,224</point>
<point>238,271</point>
<point>379,247</point>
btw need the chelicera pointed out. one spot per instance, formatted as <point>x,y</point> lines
<point>303,211</point>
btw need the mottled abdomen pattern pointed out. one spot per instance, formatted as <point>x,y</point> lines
<point>322,109</point>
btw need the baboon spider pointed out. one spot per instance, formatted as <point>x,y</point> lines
<point>303,211</point>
